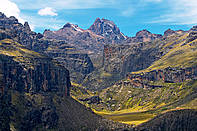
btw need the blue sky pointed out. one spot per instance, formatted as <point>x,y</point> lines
<point>129,15</point>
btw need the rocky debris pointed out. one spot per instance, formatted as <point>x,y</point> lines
<point>92,100</point>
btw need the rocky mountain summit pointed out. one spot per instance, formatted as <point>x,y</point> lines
<point>108,30</point>
<point>144,36</point>
<point>101,32</point>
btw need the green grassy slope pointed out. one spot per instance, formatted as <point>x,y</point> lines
<point>181,53</point>
<point>131,105</point>
<point>19,53</point>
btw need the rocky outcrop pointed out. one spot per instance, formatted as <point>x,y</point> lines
<point>16,30</point>
<point>108,30</point>
<point>144,36</point>
<point>192,34</point>
<point>44,76</point>
<point>79,64</point>
<point>171,32</point>
<point>128,58</point>
<point>83,40</point>
<point>168,75</point>
<point>92,100</point>
<point>39,81</point>
<point>55,46</point>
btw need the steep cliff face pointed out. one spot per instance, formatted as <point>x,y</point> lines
<point>38,99</point>
<point>58,49</point>
<point>128,58</point>
<point>44,76</point>
<point>78,63</point>
<point>168,75</point>
<point>27,82</point>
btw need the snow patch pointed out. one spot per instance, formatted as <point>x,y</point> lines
<point>123,35</point>
<point>77,28</point>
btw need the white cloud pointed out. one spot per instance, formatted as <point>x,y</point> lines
<point>63,4</point>
<point>47,11</point>
<point>128,12</point>
<point>10,9</point>
<point>180,12</point>
<point>153,0</point>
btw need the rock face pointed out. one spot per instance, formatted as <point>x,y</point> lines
<point>79,64</point>
<point>21,33</point>
<point>169,32</point>
<point>128,58</point>
<point>107,29</point>
<point>41,80</point>
<point>92,100</point>
<point>168,75</point>
<point>144,36</point>
<point>43,77</point>
<point>192,34</point>
<point>58,49</point>
<point>83,40</point>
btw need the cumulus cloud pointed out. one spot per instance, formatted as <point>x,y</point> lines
<point>47,11</point>
<point>10,9</point>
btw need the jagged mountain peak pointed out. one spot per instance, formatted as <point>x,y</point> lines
<point>143,32</point>
<point>2,15</point>
<point>27,27</point>
<point>144,36</point>
<point>169,32</point>
<point>98,20</point>
<point>194,28</point>
<point>74,27</point>
<point>107,29</point>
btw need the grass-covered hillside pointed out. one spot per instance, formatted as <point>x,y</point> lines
<point>19,52</point>
<point>181,53</point>
<point>125,103</point>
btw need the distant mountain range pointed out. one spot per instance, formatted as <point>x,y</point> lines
<point>55,80</point>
